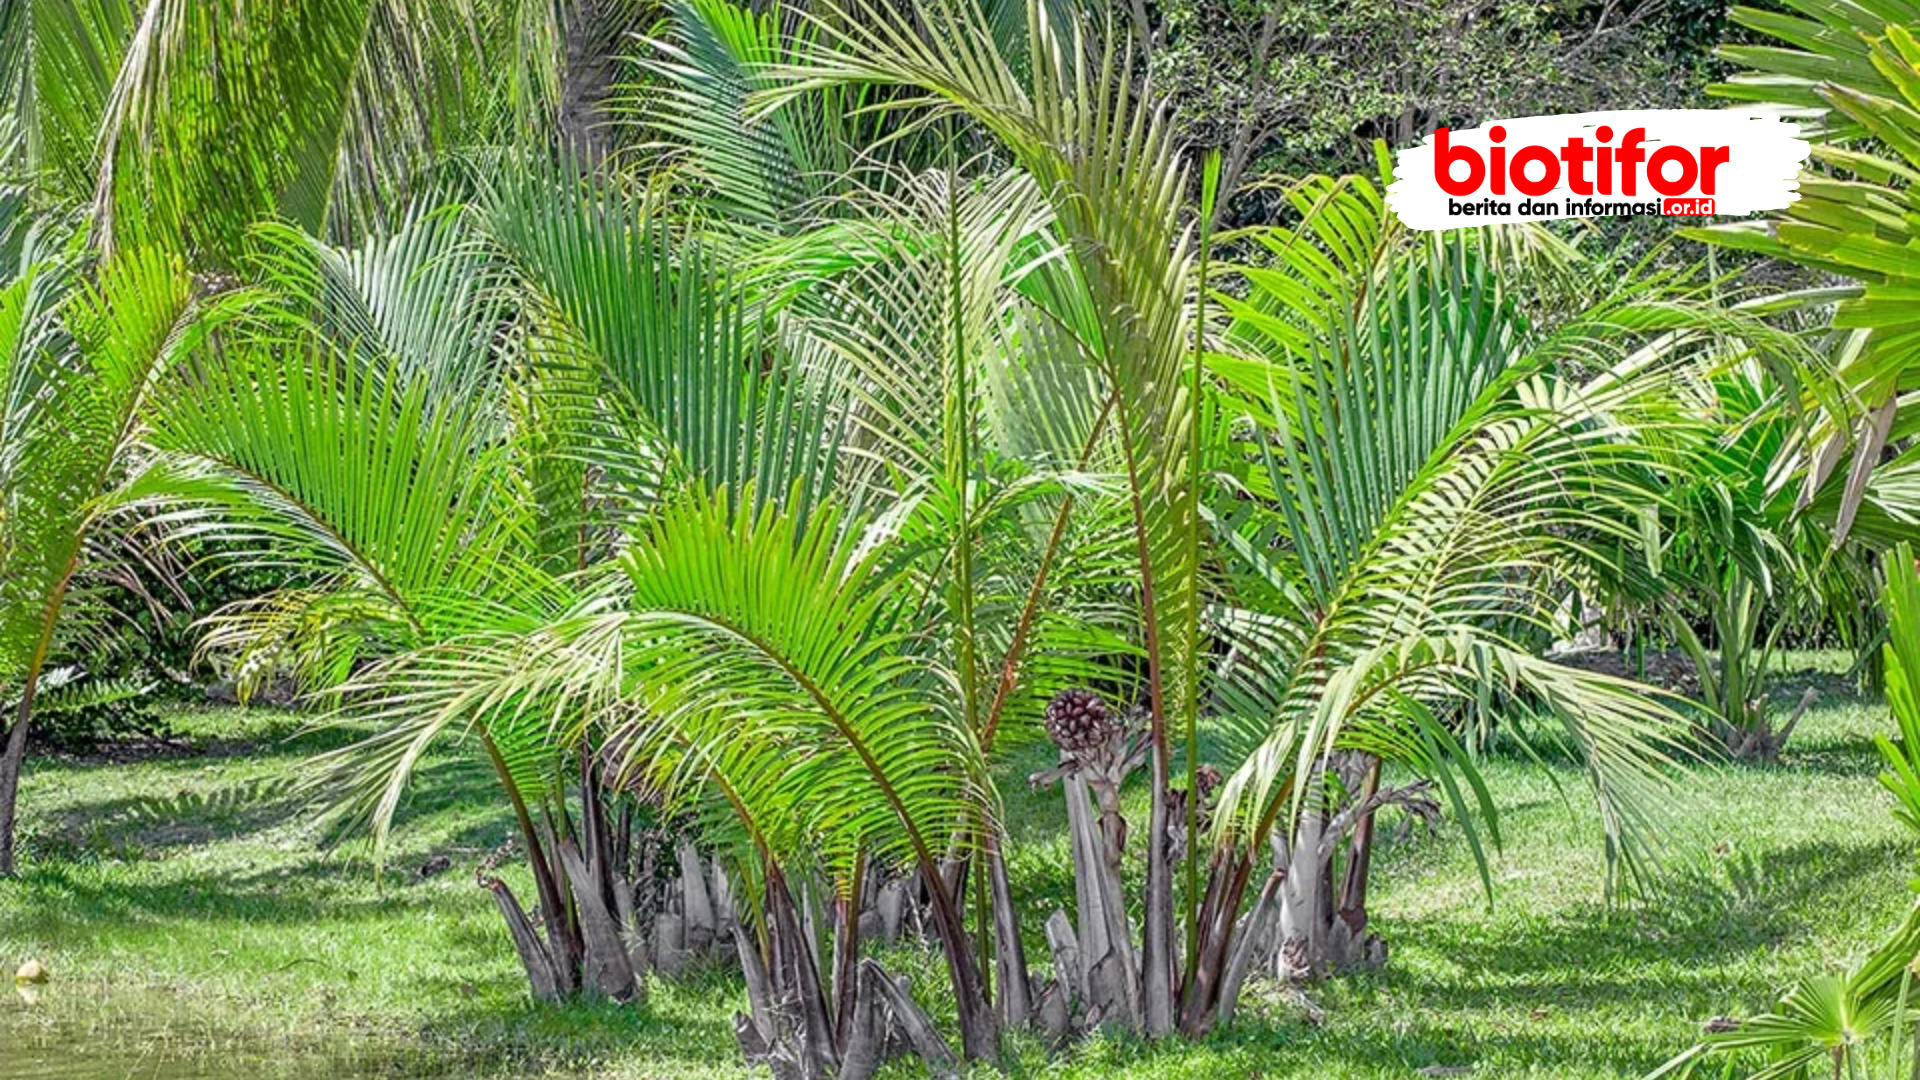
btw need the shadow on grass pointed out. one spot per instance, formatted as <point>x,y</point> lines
<point>136,826</point>
<point>1852,755</point>
<point>1694,919</point>
<point>1461,991</point>
<point>146,825</point>
<point>684,1026</point>
<point>202,734</point>
<point>82,908</point>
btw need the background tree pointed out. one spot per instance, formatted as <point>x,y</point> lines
<point>1291,87</point>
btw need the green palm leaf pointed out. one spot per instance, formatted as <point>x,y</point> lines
<point>704,385</point>
<point>1434,485</point>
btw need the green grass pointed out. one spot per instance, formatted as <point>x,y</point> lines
<point>193,921</point>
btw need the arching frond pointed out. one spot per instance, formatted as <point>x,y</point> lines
<point>777,649</point>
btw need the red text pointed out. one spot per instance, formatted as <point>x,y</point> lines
<point>1536,170</point>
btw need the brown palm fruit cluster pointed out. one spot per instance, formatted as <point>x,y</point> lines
<point>1078,720</point>
<point>1207,779</point>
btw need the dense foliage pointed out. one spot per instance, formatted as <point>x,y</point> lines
<point>766,438</point>
<point>1297,87</point>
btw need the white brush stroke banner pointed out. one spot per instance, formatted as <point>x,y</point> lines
<point>1672,162</point>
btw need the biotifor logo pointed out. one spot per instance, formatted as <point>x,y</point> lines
<point>1687,162</point>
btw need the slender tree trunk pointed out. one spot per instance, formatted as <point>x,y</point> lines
<point>846,957</point>
<point>979,1035</point>
<point>1250,941</point>
<point>1303,900</point>
<point>1323,916</point>
<point>1227,879</point>
<point>800,970</point>
<point>12,761</point>
<point>1109,969</point>
<point>1251,130</point>
<point>546,877</point>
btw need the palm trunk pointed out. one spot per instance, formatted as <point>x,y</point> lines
<point>1303,901</point>
<point>586,80</point>
<point>1157,960</point>
<point>542,973</point>
<point>911,1020</point>
<point>799,969</point>
<point>804,1029</point>
<point>1016,993</point>
<point>846,955</point>
<point>1353,888</point>
<point>546,877</point>
<point>1110,973</point>
<point>14,760</point>
<point>586,900</point>
<point>606,969</point>
<point>1250,941</point>
<point>979,1035</point>
<point>1323,920</point>
<point>1218,922</point>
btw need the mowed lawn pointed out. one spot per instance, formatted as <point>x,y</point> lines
<point>196,922</point>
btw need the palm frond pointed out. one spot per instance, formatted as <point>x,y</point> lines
<point>1434,483</point>
<point>703,384</point>
<point>753,636</point>
<point>224,113</point>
